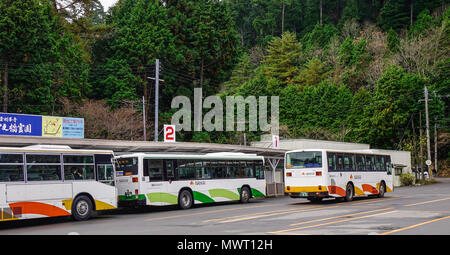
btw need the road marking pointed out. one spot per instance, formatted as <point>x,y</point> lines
<point>209,212</point>
<point>273,214</point>
<point>355,203</point>
<point>333,222</point>
<point>416,225</point>
<point>254,214</point>
<point>426,202</point>
<point>335,217</point>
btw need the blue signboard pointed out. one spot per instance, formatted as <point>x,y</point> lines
<point>35,125</point>
<point>21,125</point>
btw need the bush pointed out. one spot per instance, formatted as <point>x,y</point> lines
<point>407,179</point>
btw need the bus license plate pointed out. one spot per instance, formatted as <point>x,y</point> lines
<point>303,194</point>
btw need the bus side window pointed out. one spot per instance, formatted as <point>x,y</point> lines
<point>339,162</point>
<point>360,162</point>
<point>146,173</point>
<point>348,162</point>
<point>155,169</point>
<point>387,162</point>
<point>370,162</point>
<point>169,170</point>
<point>331,161</point>
<point>379,162</point>
<point>259,169</point>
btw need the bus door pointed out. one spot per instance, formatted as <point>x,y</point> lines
<point>169,176</point>
<point>105,170</point>
<point>153,184</point>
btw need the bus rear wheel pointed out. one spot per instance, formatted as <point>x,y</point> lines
<point>349,194</point>
<point>185,199</point>
<point>82,208</point>
<point>245,195</point>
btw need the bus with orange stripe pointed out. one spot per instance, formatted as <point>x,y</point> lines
<point>55,180</point>
<point>316,174</point>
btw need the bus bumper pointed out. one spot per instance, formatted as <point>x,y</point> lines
<point>321,194</point>
<point>132,201</point>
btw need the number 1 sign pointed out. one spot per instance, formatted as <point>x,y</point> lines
<point>169,133</point>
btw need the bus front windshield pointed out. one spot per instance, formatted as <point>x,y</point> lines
<point>304,159</point>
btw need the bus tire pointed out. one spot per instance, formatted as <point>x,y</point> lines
<point>382,189</point>
<point>245,195</point>
<point>82,208</point>
<point>185,199</point>
<point>349,192</point>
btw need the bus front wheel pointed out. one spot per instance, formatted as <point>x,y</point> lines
<point>185,199</point>
<point>382,190</point>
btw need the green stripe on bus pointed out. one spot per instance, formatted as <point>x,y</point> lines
<point>162,197</point>
<point>257,193</point>
<point>223,193</point>
<point>202,197</point>
<point>133,197</point>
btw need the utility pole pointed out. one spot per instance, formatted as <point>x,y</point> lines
<point>156,98</point>
<point>427,123</point>
<point>435,146</point>
<point>421,147</point>
<point>157,80</point>
<point>143,118</point>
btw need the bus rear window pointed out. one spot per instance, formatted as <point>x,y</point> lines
<point>128,166</point>
<point>304,159</point>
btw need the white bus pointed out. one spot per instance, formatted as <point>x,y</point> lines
<point>184,180</point>
<point>318,174</point>
<point>46,181</point>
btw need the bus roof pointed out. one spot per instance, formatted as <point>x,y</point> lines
<point>219,155</point>
<point>52,148</point>
<point>368,151</point>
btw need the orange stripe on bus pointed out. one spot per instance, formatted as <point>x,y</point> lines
<point>336,190</point>
<point>369,188</point>
<point>39,208</point>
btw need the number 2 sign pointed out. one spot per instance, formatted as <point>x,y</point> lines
<point>169,133</point>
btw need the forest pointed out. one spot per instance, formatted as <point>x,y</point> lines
<point>344,70</point>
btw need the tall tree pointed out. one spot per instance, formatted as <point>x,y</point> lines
<point>41,59</point>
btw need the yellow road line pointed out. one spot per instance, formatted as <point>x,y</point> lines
<point>335,217</point>
<point>333,222</point>
<point>209,212</point>
<point>273,214</point>
<point>426,202</point>
<point>416,225</point>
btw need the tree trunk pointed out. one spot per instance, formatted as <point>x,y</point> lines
<point>282,18</point>
<point>201,72</point>
<point>321,10</point>
<point>411,12</point>
<point>5,87</point>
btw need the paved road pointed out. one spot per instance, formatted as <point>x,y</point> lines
<point>421,210</point>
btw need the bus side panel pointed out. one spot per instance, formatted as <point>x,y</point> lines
<point>105,196</point>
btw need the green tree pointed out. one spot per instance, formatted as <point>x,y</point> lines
<point>394,14</point>
<point>283,58</point>
<point>395,97</point>
<point>41,60</point>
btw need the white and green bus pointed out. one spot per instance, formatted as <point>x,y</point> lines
<point>184,180</point>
